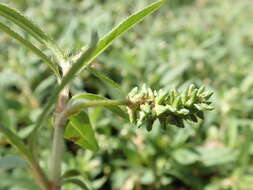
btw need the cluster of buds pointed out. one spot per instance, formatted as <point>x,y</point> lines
<point>170,108</point>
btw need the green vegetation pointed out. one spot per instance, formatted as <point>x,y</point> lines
<point>205,42</point>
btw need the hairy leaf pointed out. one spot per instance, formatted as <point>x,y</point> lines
<point>31,28</point>
<point>90,54</point>
<point>122,28</point>
<point>29,45</point>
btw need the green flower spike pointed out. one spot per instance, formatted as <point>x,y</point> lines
<point>170,108</point>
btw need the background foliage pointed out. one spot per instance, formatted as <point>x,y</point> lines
<point>207,42</point>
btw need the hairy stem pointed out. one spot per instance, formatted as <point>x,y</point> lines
<point>55,174</point>
<point>59,126</point>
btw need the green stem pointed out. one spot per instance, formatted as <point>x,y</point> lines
<point>55,173</point>
<point>39,176</point>
<point>77,106</point>
<point>59,126</point>
<point>67,76</point>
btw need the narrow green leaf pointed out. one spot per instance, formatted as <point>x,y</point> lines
<point>12,161</point>
<point>31,28</point>
<point>80,131</point>
<point>77,182</point>
<point>29,45</point>
<point>122,28</point>
<point>88,96</point>
<point>94,50</point>
<point>106,80</point>
<point>16,141</point>
<point>70,173</point>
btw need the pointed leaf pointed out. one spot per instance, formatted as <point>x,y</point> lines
<point>80,131</point>
<point>94,50</point>
<point>115,109</point>
<point>123,27</point>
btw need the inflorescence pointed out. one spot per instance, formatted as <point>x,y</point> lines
<point>170,108</point>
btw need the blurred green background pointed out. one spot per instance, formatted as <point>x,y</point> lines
<point>206,42</point>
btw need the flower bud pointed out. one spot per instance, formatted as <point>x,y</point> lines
<point>170,108</point>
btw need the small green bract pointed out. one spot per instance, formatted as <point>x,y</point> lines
<point>170,108</point>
